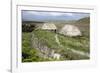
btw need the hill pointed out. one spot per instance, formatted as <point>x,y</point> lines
<point>84,25</point>
<point>38,45</point>
<point>44,42</point>
<point>85,20</point>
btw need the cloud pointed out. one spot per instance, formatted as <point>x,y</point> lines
<point>36,15</point>
<point>60,14</point>
<point>70,14</point>
<point>32,12</point>
<point>55,14</point>
<point>44,13</point>
<point>47,13</point>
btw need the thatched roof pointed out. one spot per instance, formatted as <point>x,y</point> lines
<point>49,26</point>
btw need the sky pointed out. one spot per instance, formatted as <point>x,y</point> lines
<point>52,16</point>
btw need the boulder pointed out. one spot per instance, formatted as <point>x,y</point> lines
<point>70,30</point>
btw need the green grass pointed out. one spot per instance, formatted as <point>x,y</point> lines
<point>77,43</point>
<point>31,54</point>
<point>47,37</point>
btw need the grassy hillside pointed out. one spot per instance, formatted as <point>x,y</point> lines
<point>47,37</point>
<point>85,20</point>
<point>68,42</point>
<point>70,48</point>
<point>29,54</point>
<point>66,47</point>
<point>84,26</point>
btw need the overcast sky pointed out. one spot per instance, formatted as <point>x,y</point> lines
<point>52,16</point>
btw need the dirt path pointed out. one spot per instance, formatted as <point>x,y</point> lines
<point>73,50</point>
<point>80,52</point>
<point>57,40</point>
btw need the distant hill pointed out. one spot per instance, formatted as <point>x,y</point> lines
<point>85,20</point>
<point>84,25</point>
<point>31,22</point>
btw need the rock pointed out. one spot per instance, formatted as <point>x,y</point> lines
<point>56,56</point>
<point>43,50</point>
<point>70,30</point>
